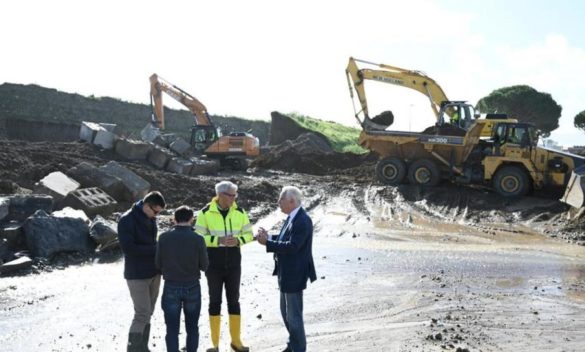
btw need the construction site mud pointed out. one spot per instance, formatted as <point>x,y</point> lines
<point>399,268</point>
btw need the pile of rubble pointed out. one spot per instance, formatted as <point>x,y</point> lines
<point>67,211</point>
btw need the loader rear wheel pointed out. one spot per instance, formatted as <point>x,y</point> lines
<point>391,171</point>
<point>511,181</point>
<point>424,172</point>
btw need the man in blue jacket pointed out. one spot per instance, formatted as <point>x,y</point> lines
<point>294,265</point>
<point>137,233</point>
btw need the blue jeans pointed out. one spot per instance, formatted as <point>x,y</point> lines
<point>291,308</point>
<point>177,295</point>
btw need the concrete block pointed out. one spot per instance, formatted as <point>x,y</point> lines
<point>92,201</point>
<point>23,206</point>
<point>181,147</point>
<point>89,175</point>
<point>46,235</point>
<point>135,187</point>
<point>159,156</point>
<point>149,133</point>
<point>16,264</point>
<point>132,149</point>
<point>57,185</point>
<point>88,131</point>
<point>165,140</point>
<point>204,167</point>
<point>105,139</point>
<point>4,204</point>
<point>110,127</point>
<point>179,166</point>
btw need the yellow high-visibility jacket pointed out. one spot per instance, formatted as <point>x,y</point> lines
<point>212,225</point>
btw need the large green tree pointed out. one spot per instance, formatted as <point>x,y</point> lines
<point>525,104</point>
<point>579,121</point>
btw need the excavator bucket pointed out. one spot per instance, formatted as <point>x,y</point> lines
<point>380,122</point>
<point>575,191</point>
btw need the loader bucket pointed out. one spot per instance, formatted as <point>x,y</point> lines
<point>575,191</point>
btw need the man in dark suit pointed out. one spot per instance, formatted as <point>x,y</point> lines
<point>293,258</point>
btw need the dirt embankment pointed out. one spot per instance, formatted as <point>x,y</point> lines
<point>297,149</point>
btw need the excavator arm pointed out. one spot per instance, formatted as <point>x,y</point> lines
<point>158,85</point>
<point>394,75</point>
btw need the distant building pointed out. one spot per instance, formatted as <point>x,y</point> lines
<point>577,149</point>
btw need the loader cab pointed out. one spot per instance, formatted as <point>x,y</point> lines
<point>202,137</point>
<point>519,134</point>
<point>513,139</point>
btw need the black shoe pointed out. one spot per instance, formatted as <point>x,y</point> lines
<point>239,349</point>
<point>287,349</point>
<point>134,342</point>
<point>213,349</point>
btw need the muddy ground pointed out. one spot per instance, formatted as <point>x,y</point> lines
<point>399,268</point>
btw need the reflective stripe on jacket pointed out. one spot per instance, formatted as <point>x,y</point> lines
<point>212,226</point>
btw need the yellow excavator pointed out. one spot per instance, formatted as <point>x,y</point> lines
<point>459,113</point>
<point>509,160</point>
<point>231,150</point>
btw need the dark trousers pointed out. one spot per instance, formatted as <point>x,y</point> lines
<point>291,308</point>
<point>177,296</point>
<point>216,280</point>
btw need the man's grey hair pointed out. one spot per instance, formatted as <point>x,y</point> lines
<point>292,192</point>
<point>225,186</point>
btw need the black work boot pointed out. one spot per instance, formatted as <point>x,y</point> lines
<point>134,342</point>
<point>145,337</point>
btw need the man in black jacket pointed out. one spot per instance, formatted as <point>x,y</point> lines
<point>137,232</point>
<point>181,254</point>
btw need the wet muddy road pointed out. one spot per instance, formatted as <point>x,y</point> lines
<point>394,275</point>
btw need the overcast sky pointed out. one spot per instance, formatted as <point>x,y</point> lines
<point>248,58</point>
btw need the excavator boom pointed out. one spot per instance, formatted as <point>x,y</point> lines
<point>416,80</point>
<point>158,85</point>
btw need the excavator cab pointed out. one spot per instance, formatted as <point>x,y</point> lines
<point>202,137</point>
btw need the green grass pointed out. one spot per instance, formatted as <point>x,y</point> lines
<point>342,138</point>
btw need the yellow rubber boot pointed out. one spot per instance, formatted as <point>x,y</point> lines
<point>214,324</point>
<point>235,325</point>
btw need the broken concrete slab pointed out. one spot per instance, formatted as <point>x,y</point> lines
<point>23,206</point>
<point>105,139</point>
<point>135,187</point>
<point>181,147</point>
<point>89,176</point>
<point>179,166</point>
<point>46,235</point>
<point>91,201</point>
<point>132,149</point>
<point>103,232</point>
<point>16,264</point>
<point>204,167</point>
<point>57,185</point>
<point>88,131</point>
<point>160,157</point>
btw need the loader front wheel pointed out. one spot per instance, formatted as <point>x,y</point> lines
<point>391,171</point>
<point>511,181</point>
<point>424,172</point>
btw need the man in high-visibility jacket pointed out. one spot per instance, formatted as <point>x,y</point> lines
<point>225,228</point>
